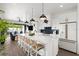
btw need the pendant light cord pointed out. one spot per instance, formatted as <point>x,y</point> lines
<point>32,12</point>
<point>42,8</point>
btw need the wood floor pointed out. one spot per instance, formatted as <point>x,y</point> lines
<point>63,52</point>
<point>10,48</point>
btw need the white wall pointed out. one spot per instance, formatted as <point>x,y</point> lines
<point>13,11</point>
<point>59,18</point>
<point>78,28</point>
<point>1,14</point>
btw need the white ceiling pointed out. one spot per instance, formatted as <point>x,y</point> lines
<point>49,8</point>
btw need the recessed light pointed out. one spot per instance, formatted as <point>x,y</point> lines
<point>61,6</point>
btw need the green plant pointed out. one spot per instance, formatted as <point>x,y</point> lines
<point>3,30</point>
<point>2,38</point>
<point>3,25</point>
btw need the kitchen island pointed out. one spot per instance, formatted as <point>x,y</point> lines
<point>39,44</point>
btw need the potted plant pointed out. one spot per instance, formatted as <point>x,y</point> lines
<point>3,30</point>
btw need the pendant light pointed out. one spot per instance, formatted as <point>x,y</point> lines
<point>43,17</point>
<point>26,22</point>
<point>32,20</point>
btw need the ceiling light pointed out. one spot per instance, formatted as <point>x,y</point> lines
<point>43,17</point>
<point>61,6</point>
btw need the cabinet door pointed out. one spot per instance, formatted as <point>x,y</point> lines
<point>72,31</point>
<point>62,31</point>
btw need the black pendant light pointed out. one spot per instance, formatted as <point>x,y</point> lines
<point>26,22</point>
<point>32,20</point>
<point>45,21</point>
<point>43,16</point>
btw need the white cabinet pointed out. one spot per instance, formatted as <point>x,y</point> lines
<point>68,37</point>
<point>72,31</point>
